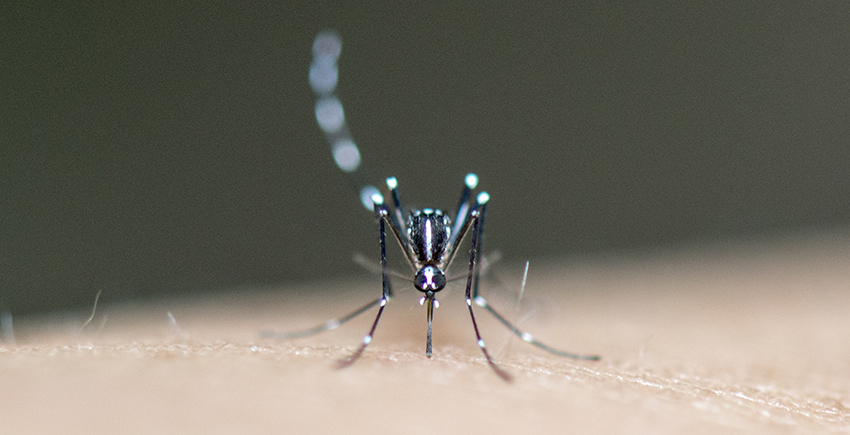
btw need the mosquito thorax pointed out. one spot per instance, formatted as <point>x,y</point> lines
<point>428,232</point>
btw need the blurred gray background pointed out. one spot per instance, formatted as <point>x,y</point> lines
<point>157,150</point>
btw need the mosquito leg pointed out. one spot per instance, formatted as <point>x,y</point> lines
<point>469,184</point>
<point>324,76</point>
<point>528,338</point>
<point>366,340</point>
<point>398,216</point>
<point>382,213</point>
<point>330,324</point>
<point>479,234</point>
<point>475,214</point>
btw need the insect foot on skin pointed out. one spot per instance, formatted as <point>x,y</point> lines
<point>429,238</point>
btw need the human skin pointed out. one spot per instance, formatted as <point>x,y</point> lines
<point>736,338</point>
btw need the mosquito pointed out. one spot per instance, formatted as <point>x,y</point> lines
<point>429,238</point>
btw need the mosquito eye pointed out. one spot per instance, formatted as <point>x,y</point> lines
<point>429,278</point>
<point>440,281</point>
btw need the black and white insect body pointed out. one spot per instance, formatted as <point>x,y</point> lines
<point>429,238</point>
<point>428,232</point>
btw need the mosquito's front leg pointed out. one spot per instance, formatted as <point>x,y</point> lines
<point>383,213</point>
<point>475,216</point>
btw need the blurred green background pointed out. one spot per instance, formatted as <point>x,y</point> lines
<point>155,150</point>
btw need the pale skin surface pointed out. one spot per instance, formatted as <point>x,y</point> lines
<point>742,339</point>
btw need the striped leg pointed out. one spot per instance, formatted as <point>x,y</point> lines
<point>476,215</point>
<point>383,215</point>
<point>327,326</point>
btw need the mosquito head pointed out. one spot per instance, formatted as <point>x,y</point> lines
<point>429,279</point>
